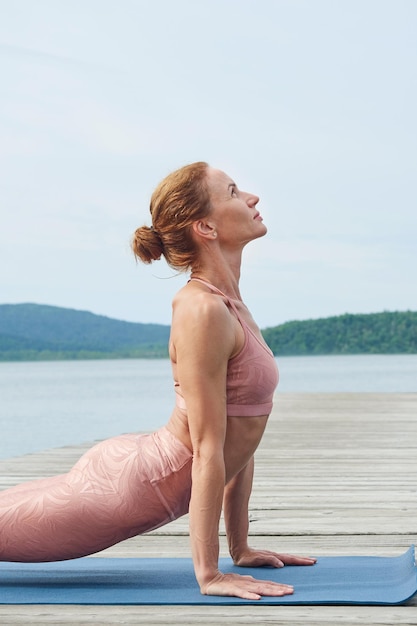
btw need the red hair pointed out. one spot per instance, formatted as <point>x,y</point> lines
<point>178,201</point>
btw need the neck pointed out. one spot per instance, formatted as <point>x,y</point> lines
<point>220,268</point>
<point>224,275</point>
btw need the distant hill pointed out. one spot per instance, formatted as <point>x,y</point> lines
<point>40,332</point>
<point>373,333</point>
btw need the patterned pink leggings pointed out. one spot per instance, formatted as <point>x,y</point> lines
<point>122,487</point>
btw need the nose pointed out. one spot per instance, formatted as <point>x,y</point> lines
<point>252,199</point>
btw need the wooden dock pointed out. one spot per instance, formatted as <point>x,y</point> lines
<point>336,474</point>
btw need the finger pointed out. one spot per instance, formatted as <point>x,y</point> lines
<point>290,559</point>
<point>270,560</point>
<point>247,588</point>
<point>274,561</point>
<point>269,588</point>
<point>244,589</point>
<point>261,561</point>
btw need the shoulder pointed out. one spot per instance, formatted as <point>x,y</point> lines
<point>191,302</point>
<point>202,319</point>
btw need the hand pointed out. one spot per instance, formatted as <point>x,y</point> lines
<point>262,558</point>
<point>245,587</point>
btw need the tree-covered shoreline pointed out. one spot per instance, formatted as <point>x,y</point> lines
<point>36,332</point>
<point>33,332</point>
<point>371,333</point>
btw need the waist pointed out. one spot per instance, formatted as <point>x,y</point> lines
<point>235,410</point>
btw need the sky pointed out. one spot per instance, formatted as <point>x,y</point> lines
<point>310,104</point>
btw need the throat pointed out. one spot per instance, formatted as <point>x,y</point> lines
<point>223,290</point>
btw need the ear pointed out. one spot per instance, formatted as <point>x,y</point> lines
<point>204,229</point>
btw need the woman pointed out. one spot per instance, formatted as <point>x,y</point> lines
<point>225,378</point>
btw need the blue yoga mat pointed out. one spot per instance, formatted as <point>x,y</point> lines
<point>90,580</point>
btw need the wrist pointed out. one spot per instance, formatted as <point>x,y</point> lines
<point>206,576</point>
<point>237,551</point>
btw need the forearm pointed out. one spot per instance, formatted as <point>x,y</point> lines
<point>236,504</point>
<point>205,509</point>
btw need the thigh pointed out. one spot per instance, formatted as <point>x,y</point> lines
<point>139,481</point>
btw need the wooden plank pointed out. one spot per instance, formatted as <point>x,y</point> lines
<point>209,616</point>
<point>335,475</point>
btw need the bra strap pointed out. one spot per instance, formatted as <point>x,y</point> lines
<point>204,282</point>
<point>216,290</point>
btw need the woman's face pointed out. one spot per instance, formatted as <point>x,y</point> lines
<point>233,212</point>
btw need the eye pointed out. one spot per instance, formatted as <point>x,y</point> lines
<point>233,191</point>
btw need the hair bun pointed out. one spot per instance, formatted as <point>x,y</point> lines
<point>180,199</point>
<point>147,244</point>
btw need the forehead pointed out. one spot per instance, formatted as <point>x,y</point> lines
<point>218,181</point>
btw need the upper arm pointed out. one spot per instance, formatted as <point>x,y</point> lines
<point>203,338</point>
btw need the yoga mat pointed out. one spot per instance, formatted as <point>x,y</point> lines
<point>95,580</point>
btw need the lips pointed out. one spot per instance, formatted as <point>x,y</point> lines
<point>258,216</point>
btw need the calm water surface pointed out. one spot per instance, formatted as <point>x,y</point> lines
<point>52,404</point>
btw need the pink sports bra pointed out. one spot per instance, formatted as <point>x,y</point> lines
<point>252,375</point>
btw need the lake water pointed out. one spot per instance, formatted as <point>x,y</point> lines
<point>55,403</point>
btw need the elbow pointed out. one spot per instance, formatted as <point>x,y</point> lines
<point>209,462</point>
<point>204,454</point>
